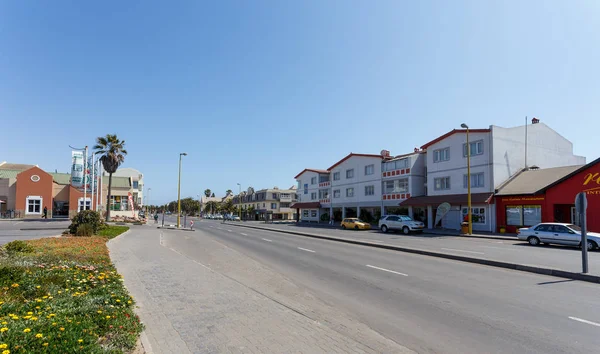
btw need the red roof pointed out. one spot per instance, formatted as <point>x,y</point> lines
<point>311,170</point>
<point>452,132</point>
<point>350,155</point>
<point>306,205</point>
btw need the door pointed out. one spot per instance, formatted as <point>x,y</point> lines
<point>543,233</point>
<point>392,222</point>
<point>560,235</point>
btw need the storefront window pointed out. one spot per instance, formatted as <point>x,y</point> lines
<point>478,215</point>
<point>532,215</point>
<point>313,213</point>
<point>305,213</point>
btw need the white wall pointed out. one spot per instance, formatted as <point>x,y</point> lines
<point>418,175</point>
<point>545,149</point>
<point>303,179</point>
<point>456,167</point>
<point>358,182</point>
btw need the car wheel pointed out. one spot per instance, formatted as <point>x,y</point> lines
<point>355,227</point>
<point>384,229</point>
<point>406,230</point>
<point>534,241</point>
<point>591,245</point>
<point>344,227</point>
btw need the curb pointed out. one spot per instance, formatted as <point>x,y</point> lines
<point>174,228</point>
<point>145,343</point>
<point>488,262</point>
<point>482,236</point>
<point>43,228</point>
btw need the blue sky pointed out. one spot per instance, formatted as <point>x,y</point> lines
<point>255,91</point>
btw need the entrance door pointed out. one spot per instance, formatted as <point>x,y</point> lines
<point>574,216</point>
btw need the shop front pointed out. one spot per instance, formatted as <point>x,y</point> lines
<point>551,201</point>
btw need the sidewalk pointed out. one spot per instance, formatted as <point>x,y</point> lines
<point>188,307</point>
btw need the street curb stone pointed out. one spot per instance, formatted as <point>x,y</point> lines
<point>488,262</point>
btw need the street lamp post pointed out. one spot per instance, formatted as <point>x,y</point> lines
<point>199,205</point>
<point>240,200</point>
<point>469,212</point>
<point>179,192</point>
<point>148,200</point>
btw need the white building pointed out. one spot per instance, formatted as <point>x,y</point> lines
<point>496,154</point>
<point>402,177</point>
<point>137,183</point>
<point>313,187</point>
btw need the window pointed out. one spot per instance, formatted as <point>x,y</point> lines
<point>478,215</point>
<point>257,205</point>
<point>441,155</point>
<point>336,176</point>
<point>524,215</point>
<point>273,205</point>
<point>476,180</point>
<point>350,173</point>
<point>369,190</point>
<point>369,170</point>
<point>263,205</point>
<point>88,204</point>
<point>442,183</point>
<point>304,213</point>
<point>392,218</point>
<point>396,186</point>
<point>397,165</point>
<point>135,184</point>
<point>284,205</point>
<point>305,188</point>
<point>313,195</point>
<point>313,213</point>
<point>313,180</point>
<point>324,194</point>
<point>323,178</point>
<point>336,193</point>
<point>34,205</point>
<point>476,148</point>
<point>117,203</point>
<point>349,192</point>
<point>274,196</point>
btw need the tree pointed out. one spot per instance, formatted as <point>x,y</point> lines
<point>211,207</point>
<point>213,195</point>
<point>112,151</point>
<point>207,193</point>
<point>228,193</point>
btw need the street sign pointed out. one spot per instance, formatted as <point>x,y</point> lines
<point>442,210</point>
<point>581,207</point>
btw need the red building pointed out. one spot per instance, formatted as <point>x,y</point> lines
<point>548,195</point>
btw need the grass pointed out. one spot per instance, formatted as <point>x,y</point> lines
<point>112,231</point>
<point>64,295</point>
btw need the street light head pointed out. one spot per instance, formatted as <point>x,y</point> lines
<point>239,184</point>
<point>464,126</point>
<point>183,153</point>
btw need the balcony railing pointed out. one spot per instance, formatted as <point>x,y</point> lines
<point>395,196</point>
<point>324,184</point>
<point>394,173</point>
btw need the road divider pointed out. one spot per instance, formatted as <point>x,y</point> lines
<point>462,258</point>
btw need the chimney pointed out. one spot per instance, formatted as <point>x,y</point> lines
<point>535,120</point>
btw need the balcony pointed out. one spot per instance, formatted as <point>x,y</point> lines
<point>325,201</point>
<point>395,196</point>
<point>401,172</point>
<point>285,198</point>
<point>324,184</point>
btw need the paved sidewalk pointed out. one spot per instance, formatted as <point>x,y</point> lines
<point>189,308</point>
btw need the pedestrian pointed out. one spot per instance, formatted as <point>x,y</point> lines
<point>331,220</point>
<point>156,218</point>
<point>45,213</point>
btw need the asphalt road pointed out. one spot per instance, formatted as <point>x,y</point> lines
<point>11,230</point>
<point>428,304</point>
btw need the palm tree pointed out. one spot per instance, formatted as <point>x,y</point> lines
<point>207,193</point>
<point>228,192</point>
<point>112,151</point>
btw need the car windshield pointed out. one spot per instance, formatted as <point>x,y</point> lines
<point>405,218</point>
<point>574,227</point>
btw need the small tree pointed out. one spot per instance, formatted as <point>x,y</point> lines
<point>86,217</point>
<point>207,193</point>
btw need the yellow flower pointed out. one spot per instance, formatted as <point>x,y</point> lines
<point>129,302</point>
<point>3,346</point>
<point>118,300</point>
<point>51,315</point>
<point>3,329</point>
<point>39,335</point>
<point>99,311</point>
<point>54,323</point>
<point>26,330</point>
<point>34,318</point>
<point>30,313</point>
<point>4,322</point>
<point>107,317</point>
<point>37,287</point>
<point>15,285</point>
<point>1,302</point>
<point>44,297</point>
<point>37,307</point>
<point>60,292</point>
<point>62,328</point>
<point>80,341</point>
<point>6,351</point>
<point>45,344</point>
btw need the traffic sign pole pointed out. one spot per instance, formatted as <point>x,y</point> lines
<point>581,207</point>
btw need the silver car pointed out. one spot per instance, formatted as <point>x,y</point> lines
<point>557,233</point>
<point>400,222</point>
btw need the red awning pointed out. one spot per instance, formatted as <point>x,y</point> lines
<point>307,205</point>
<point>453,199</point>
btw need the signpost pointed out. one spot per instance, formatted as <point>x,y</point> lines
<point>581,207</point>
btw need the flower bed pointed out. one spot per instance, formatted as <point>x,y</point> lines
<point>64,296</point>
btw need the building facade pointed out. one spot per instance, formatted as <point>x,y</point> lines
<point>266,204</point>
<point>137,183</point>
<point>496,154</point>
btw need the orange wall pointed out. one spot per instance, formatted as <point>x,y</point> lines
<point>26,187</point>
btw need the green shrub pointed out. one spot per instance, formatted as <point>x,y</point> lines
<point>366,216</point>
<point>89,217</point>
<point>18,246</point>
<point>84,230</point>
<point>325,217</point>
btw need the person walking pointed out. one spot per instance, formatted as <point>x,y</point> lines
<point>45,216</point>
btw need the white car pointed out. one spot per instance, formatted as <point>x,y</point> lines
<point>557,233</point>
<point>400,222</point>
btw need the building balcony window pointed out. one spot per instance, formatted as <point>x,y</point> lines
<point>396,196</point>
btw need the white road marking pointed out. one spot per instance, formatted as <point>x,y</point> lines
<point>243,234</point>
<point>386,270</point>
<point>585,321</point>
<point>266,239</point>
<point>230,230</point>
<point>306,249</point>
<point>452,249</point>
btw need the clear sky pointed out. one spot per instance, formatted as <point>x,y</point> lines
<point>255,91</point>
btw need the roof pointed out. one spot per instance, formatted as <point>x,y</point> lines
<point>532,181</point>
<point>452,132</point>
<point>453,199</point>
<point>9,173</point>
<point>311,170</point>
<point>15,166</point>
<point>398,157</point>
<point>560,180</point>
<point>306,205</point>
<point>61,178</point>
<point>351,155</point>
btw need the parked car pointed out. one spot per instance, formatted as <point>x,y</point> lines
<point>355,223</point>
<point>236,218</point>
<point>557,233</point>
<point>141,214</point>
<point>403,223</point>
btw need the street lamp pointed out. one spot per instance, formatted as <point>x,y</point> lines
<point>469,212</point>
<point>148,200</point>
<point>199,205</point>
<point>240,200</point>
<point>179,192</point>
